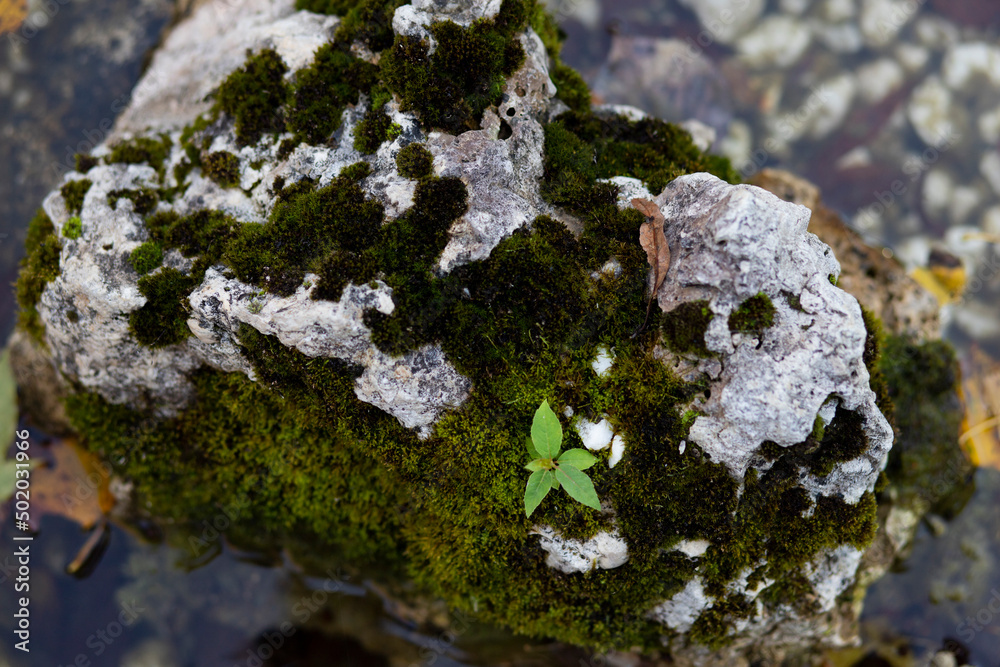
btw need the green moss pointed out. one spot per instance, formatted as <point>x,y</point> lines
<point>753,315</point>
<point>144,200</point>
<point>684,328</point>
<point>414,161</point>
<point>369,21</point>
<point>85,163</point>
<point>73,228</point>
<point>451,88</point>
<point>142,150</point>
<point>223,168</point>
<point>253,96</point>
<point>73,193</point>
<point>373,130</point>
<point>146,258</point>
<point>305,226</point>
<point>39,266</point>
<point>571,88</point>
<point>322,91</point>
<point>162,321</point>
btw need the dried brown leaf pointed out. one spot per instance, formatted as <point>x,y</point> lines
<point>653,241</point>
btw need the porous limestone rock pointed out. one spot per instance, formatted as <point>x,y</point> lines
<point>728,244</point>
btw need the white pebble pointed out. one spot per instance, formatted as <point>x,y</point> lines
<point>937,190</point>
<point>912,56</point>
<point>595,436</point>
<point>989,167</point>
<point>777,41</point>
<point>964,200</point>
<point>839,37</point>
<point>931,112</point>
<point>881,20</point>
<point>991,221</point>
<point>964,64</point>
<point>838,10</point>
<point>936,33</point>
<point>989,126</point>
<point>617,449</point>
<point>876,80</point>
<point>603,362</point>
<point>722,19</point>
<point>837,94</point>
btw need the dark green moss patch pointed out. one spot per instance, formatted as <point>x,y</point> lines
<point>753,315</point>
<point>414,161</point>
<point>369,21</point>
<point>222,167</point>
<point>305,226</point>
<point>163,320</point>
<point>144,200</point>
<point>73,228</point>
<point>571,88</point>
<point>84,162</point>
<point>684,328</point>
<point>253,96</point>
<point>322,91</point>
<point>142,150</point>
<point>146,258</point>
<point>38,267</point>
<point>73,193</point>
<point>375,128</point>
<point>451,88</point>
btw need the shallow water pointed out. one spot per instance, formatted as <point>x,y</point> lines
<point>70,75</point>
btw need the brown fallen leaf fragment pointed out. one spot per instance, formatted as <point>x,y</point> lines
<point>12,13</point>
<point>74,486</point>
<point>653,241</point>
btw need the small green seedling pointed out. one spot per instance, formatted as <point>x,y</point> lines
<point>548,471</point>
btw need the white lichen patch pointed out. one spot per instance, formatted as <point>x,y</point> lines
<point>682,610</point>
<point>605,551</point>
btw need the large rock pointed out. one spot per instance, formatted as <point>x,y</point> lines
<point>744,440</point>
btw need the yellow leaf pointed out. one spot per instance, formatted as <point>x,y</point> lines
<point>12,13</point>
<point>981,392</point>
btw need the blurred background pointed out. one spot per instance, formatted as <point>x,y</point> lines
<point>892,107</point>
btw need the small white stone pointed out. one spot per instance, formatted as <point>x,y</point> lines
<point>937,190</point>
<point>777,41</point>
<point>989,126</point>
<point>737,144</point>
<point>878,79</point>
<point>595,436</point>
<point>989,167</point>
<point>602,364</point>
<point>568,412</point>
<point>605,550</point>
<point>857,157</point>
<point>964,200</point>
<point>931,112</point>
<point>683,446</point>
<point>912,56</point>
<point>693,548</point>
<point>966,63</point>
<point>837,95</point>
<point>617,450</point>
<point>702,135</point>
<point>881,20</point>
<point>991,221</point>
<point>935,32</point>
<point>726,19</point>
<point>835,11</point>
<point>839,37</point>
<point>794,6</point>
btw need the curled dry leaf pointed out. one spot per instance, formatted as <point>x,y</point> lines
<point>653,241</point>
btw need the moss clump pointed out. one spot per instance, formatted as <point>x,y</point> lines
<point>322,91</point>
<point>369,21</point>
<point>147,257</point>
<point>73,228</point>
<point>451,88</point>
<point>253,96</point>
<point>414,161</point>
<point>162,321</point>
<point>684,328</point>
<point>144,200</point>
<point>267,458</point>
<point>38,267</point>
<point>571,88</point>
<point>85,163</point>
<point>222,167</point>
<point>142,150</point>
<point>305,226</point>
<point>374,129</point>
<point>753,315</point>
<point>73,194</point>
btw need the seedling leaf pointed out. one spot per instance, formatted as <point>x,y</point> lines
<point>577,485</point>
<point>539,484</point>
<point>532,452</point>
<point>535,466</point>
<point>546,432</point>
<point>580,459</point>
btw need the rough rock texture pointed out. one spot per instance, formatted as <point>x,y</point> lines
<point>753,387</point>
<point>731,243</point>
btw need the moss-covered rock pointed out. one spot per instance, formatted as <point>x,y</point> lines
<point>428,247</point>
